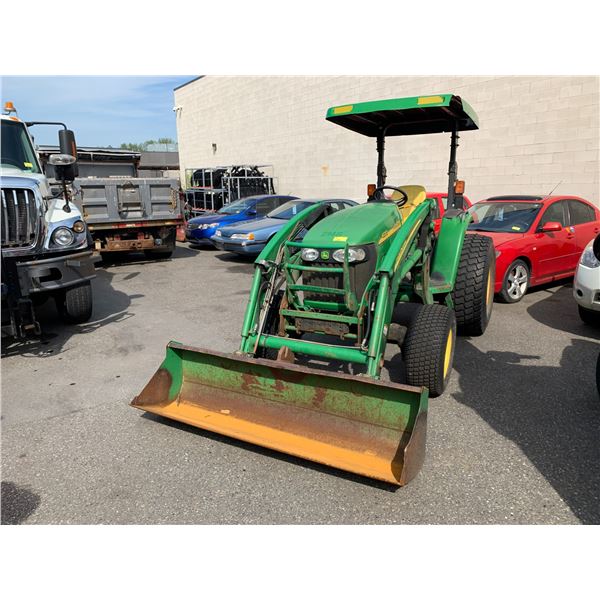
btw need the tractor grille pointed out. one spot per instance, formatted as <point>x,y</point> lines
<point>20,221</point>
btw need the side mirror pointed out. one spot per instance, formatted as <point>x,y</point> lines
<point>551,226</point>
<point>251,212</point>
<point>66,142</point>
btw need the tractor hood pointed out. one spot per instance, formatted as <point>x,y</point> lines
<point>363,224</point>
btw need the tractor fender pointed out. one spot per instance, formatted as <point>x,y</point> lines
<point>447,250</point>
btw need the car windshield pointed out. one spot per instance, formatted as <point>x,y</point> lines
<point>289,209</point>
<point>236,207</point>
<point>505,217</point>
<point>16,150</point>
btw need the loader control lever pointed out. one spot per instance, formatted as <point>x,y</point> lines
<point>379,196</point>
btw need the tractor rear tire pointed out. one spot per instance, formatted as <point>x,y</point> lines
<point>428,348</point>
<point>473,294</point>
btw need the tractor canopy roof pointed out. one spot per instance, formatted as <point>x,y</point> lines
<point>406,116</point>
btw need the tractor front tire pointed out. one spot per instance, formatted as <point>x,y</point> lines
<point>473,294</point>
<point>75,304</point>
<point>428,348</point>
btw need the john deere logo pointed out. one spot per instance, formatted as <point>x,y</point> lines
<point>325,255</point>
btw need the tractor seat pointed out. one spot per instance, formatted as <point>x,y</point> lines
<point>416,194</point>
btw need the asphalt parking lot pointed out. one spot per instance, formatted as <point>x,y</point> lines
<point>515,438</point>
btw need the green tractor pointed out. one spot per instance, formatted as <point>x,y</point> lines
<point>337,288</point>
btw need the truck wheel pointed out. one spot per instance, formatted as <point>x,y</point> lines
<point>75,304</point>
<point>590,317</point>
<point>473,294</point>
<point>158,254</point>
<point>428,348</point>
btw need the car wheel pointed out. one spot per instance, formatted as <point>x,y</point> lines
<point>590,317</point>
<point>516,282</point>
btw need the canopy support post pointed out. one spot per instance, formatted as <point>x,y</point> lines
<point>381,172</point>
<point>454,200</point>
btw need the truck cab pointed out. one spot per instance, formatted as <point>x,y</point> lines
<point>45,243</point>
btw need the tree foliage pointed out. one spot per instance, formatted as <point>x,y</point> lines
<point>135,147</point>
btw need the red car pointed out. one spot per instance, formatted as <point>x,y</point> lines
<point>442,205</point>
<point>537,239</point>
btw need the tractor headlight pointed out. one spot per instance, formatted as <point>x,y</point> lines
<point>310,254</point>
<point>63,236</point>
<point>354,255</point>
<point>588,258</point>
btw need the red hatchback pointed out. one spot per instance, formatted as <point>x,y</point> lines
<point>537,239</point>
<point>441,199</point>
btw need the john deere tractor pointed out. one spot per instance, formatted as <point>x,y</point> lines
<point>337,288</point>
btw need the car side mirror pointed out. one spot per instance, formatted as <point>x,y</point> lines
<point>551,226</point>
<point>251,212</point>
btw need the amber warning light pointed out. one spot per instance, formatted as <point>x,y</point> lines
<point>9,107</point>
<point>371,189</point>
<point>459,187</point>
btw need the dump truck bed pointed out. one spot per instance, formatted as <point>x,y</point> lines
<point>111,202</point>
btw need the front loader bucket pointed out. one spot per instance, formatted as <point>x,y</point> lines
<point>354,423</point>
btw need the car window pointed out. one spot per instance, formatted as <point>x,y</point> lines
<point>580,212</point>
<point>555,212</point>
<point>348,205</point>
<point>507,217</point>
<point>281,200</point>
<point>265,206</point>
<point>335,206</point>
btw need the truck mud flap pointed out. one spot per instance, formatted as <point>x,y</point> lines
<point>372,428</point>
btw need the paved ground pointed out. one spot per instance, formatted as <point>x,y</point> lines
<point>515,439</point>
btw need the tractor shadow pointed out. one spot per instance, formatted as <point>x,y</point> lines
<point>551,413</point>
<point>18,503</point>
<point>110,306</point>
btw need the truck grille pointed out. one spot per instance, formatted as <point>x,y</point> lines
<point>19,218</point>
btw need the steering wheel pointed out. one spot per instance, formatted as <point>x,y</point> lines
<point>378,195</point>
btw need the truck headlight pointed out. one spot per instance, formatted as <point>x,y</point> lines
<point>588,259</point>
<point>354,255</point>
<point>79,227</point>
<point>310,254</point>
<point>63,236</point>
<point>242,236</point>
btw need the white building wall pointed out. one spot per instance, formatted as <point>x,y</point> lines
<point>534,133</point>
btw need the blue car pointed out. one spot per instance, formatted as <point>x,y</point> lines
<point>199,230</point>
<point>252,236</point>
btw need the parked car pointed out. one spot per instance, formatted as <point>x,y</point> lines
<point>586,285</point>
<point>251,237</point>
<point>442,204</point>
<point>537,239</point>
<point>199,230</point>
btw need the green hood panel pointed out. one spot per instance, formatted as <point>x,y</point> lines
<point>362,224</point>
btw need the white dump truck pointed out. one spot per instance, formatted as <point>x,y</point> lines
<point>46,247</point>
